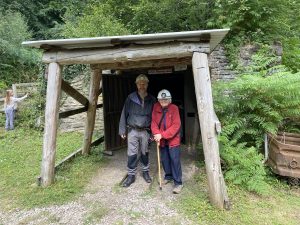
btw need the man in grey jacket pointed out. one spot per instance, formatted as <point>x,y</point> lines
<point>135,121</point>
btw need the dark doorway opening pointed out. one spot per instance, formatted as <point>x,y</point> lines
<point>117,87</point>
<point>174,83</point>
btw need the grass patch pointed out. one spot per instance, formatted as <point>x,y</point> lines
<point>281,206</point>
<point>134,214</point>
<point>117,188</point>
<point>20,164</point>
<point>42,218</point>
<point>95,215</point>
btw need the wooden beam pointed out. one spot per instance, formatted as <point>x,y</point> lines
<point>67,88</point>
<point>216,184</point>
<point>72,112</point>
<point>195,136</point>
<point>91,113</point>
<point>121,54</point>
<point>14,89</point>
<point>51,124</point>
<point>99,91</point>
<point>97,142</point>
<point>157,63</point>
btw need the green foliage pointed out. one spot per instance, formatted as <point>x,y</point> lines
<point>71,71</point>
<point>2,119</point>
<point>258,100</point>
<point>159,16</point>
<point>259,21</point>
<point>31,113</point>
<point>2,85</point>
<point>95,21</point>
<point>291,56</point>
<point>247,208</point>
<point>244,166</point>
<point>136,17</point>
<point>255,103</point>
<point>16,62</point>
<point>41,15</point>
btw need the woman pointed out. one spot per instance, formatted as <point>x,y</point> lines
<point>165,127</point>
<point>9,108</point>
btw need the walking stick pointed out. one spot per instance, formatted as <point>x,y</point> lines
<point>158,162</point>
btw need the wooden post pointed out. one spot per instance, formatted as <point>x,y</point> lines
<point>91,113</point>
<point>51,123</point>
<point>195,135</point>
<point>216,184</point>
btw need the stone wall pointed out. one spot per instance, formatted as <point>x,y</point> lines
<point>219,65</point>
<point>77,122</point>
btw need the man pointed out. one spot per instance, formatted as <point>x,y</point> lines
<point>165,127</point>
<point>136,120</point>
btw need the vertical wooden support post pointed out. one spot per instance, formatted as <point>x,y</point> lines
<point>216,184</point>
<point>51,123</point>
<point>91,113</point>
<point>14,88</point>
<point>195,135</point>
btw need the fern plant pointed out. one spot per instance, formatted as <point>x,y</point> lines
<point>255,103</point>
<point>243,165</point>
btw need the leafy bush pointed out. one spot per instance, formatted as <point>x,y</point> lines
<point>16,62</point>
<point>31,112</point>
<point>244,165</point>
<point>257,102</point>
<point>2,120</point>
<point>94,21</point>
<point>261,21</point>
<point>158,16</point>
<point>291,56</point>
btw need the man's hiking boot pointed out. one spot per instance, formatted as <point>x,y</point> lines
<point>177,189</point>
<point>130,179</point>
<point>147,177</point>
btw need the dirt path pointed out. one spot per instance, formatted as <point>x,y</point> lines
<point>105,202</point>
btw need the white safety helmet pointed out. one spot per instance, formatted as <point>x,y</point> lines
<point>164,94</point>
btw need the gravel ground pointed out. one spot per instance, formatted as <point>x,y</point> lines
<point>105,202</point>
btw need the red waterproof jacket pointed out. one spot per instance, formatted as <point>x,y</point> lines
<point>172,131</point>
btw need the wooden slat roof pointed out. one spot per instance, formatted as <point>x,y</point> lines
<point>213,37</point>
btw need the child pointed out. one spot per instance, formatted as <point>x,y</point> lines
<point>9,108</point>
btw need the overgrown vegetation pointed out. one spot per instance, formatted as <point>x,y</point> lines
<point>20,159</point>
<point>17,64</point>
<point>263,99</point>
<point>281,206</point>
<point>255,103</point>
<point>250,21</point>
<point>259,22</point>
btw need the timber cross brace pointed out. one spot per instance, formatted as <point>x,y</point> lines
<point>54,86</point>
<point>150,51</point>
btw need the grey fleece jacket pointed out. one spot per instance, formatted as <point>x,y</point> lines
<point>134,113</point>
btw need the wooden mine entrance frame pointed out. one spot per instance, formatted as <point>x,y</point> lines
<point>130,52</point>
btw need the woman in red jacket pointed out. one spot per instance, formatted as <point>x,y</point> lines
<point>165,127</point>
